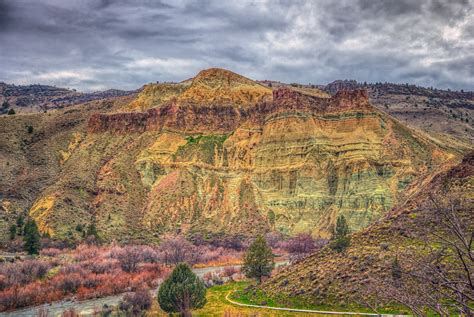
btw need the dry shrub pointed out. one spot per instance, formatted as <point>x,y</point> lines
<point>24,272</point>
<point>137,302</point>
<point>86,252</point>
<point>68,283</point>
<point>51,252</point>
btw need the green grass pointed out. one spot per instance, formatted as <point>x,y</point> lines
<point>251,295</point>
<point>217,305</point>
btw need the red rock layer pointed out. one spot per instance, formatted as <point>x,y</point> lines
<point>224,119</point>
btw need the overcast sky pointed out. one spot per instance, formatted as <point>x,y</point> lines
<point>95,45</point>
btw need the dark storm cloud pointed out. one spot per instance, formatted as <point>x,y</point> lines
<point>92,44</point>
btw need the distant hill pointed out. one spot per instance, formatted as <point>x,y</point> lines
<point>448,115</point>
<point>444,114</point>
<point>34,98</point>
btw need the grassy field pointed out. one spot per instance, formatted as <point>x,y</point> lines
<point>217,305</point>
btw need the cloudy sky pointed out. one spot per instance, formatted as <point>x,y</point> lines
<point>94,45</point>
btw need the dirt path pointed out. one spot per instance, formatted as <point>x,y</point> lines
<point>295,310</point>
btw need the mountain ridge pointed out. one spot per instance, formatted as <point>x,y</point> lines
<point>289,160</point>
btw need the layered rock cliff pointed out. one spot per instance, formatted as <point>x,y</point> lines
<point>227,155</point>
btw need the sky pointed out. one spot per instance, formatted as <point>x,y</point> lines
<point>95,45</point>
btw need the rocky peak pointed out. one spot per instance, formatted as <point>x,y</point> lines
<point>218,77</point>
<point>345,99</point>
<point>216,86</point>
<point>338,85</point>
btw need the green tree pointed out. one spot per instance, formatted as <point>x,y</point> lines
<point>396,269</point>
<point>11,112</point>
<point>342,228</point>
<point>32,237</point>
<point>92,231</point>
<point>258,260</point>
<point>182,291</point>
<point>340,238</point>
<point>12,232</point>
<point>20,222</point>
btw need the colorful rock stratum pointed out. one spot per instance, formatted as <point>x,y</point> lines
<point>222,154</point>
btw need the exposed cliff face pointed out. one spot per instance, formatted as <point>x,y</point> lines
<point>225,118</point>
<point>225,156</point>
<point>327,275</point>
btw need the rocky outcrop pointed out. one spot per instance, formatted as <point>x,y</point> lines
<point>230,158</point>
<point>225,118</point>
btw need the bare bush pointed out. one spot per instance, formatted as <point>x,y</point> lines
<point>51,252</point>
<point>176,249</point>
<point>86,252</point>
<point>129,257</point>
<point>229,271</point>
<point>24,272</point>
<point>274,239</point>
<point>136,303</point>
<point>302,245</point>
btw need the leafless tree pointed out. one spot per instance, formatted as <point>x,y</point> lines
<point>176,249</point>
<point>129,257</point>
<point>438,276</point>
<point>302,245</point>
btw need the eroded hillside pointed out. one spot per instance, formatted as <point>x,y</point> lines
<point>409,230</point>
<point>221,154</point>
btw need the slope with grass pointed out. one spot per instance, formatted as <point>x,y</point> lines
<point>331,277</point>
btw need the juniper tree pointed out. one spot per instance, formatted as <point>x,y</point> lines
<point>342,229</point>
<point>396,270</point>
<point>258,260</point>
<point>340,237</point>
<point>31,237</point>
<point>20,222</point>
<point>12,232</point>
<point>182,291</point>
<point>92,231</point>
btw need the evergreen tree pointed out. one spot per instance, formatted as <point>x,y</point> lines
<point>12,232</point>
<point>258,260</point>
<point>11,112</point>
<point>396,270</point>
<point>342,229</point>
<point>182,291</point>
<point>340,237</point>
<point>20,221</point>
<point>92,231</point>
<point>32,237</point>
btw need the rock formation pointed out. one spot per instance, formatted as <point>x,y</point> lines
<point>223,154</point>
